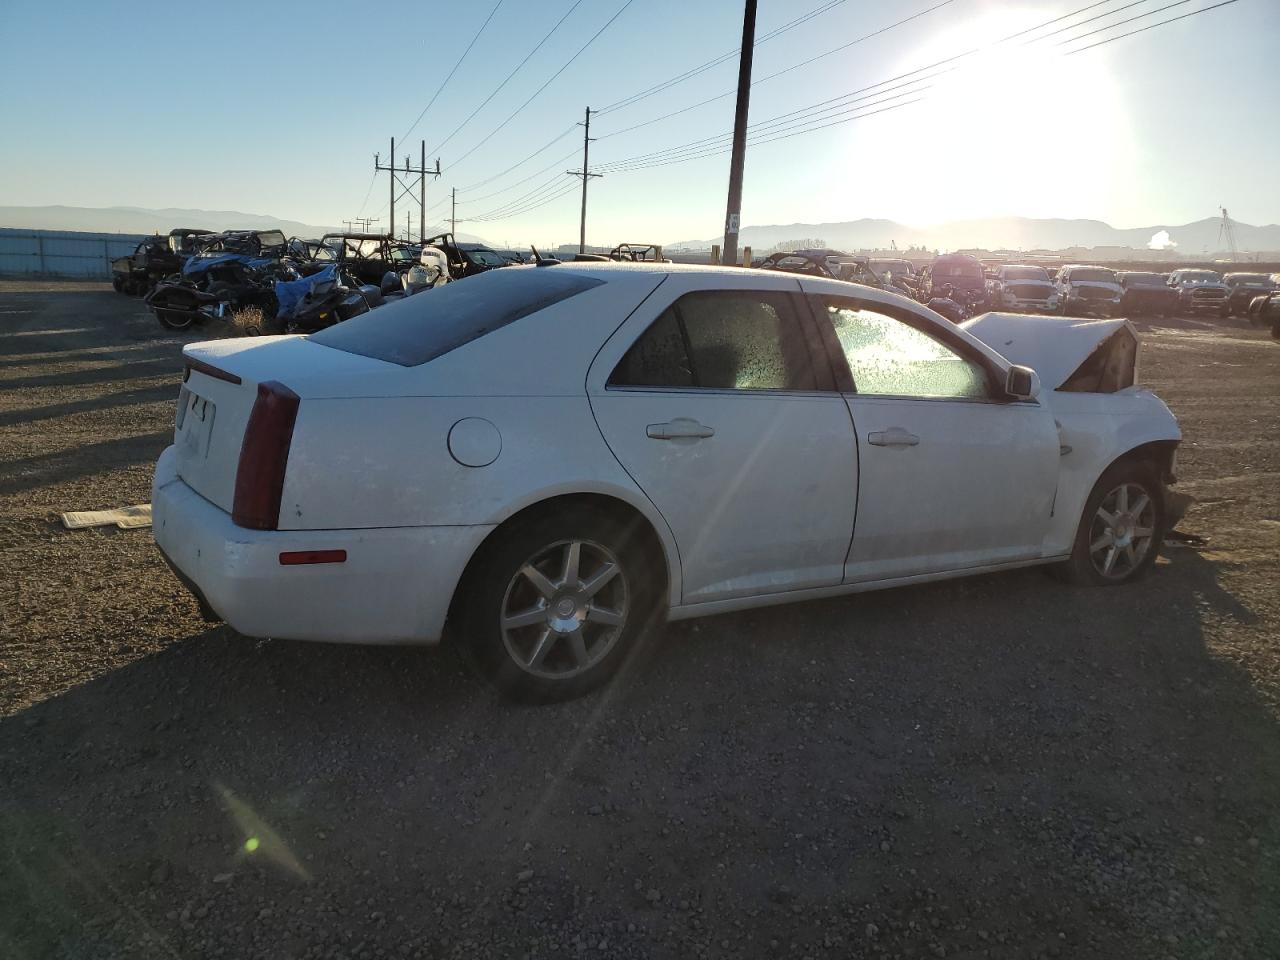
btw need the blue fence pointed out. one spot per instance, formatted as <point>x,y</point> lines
<point>62,253</point>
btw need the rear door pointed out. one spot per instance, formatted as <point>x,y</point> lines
<point>720,404</point>
<point>950,475</point>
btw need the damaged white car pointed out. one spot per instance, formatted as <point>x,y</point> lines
<point>548,461</point>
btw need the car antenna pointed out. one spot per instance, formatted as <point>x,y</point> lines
<point>540,260</point>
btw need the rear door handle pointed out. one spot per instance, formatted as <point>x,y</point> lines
<point>893,437</point>
<point>680,429</point>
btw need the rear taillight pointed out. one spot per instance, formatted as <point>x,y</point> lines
<point>264,454</point>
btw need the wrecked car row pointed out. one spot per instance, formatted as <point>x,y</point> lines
<point>265,283</point>
<point>958,286</point>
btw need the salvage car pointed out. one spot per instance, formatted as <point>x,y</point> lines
<point>564,456</point>
<point>233,271</point>
<point>154,259</point>
<point>955,273</point>
<point>1200,291</point>
<point>1016,287</point>
<point>1088,291</point>
<point>1243,287</point>
<point>1146,293</point>
<point>1264,311</point>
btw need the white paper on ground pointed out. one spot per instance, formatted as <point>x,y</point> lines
<point>126,518</point>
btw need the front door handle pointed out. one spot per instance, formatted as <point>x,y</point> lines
<point>681,429</point>
<point>893,437</point>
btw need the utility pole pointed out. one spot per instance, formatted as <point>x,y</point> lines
<point>733,215</point>
<point>586,175</point>
<point>403,183</point>
<point>453,212</point>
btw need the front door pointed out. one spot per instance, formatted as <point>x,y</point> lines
<point>951,475</point>
<point>721,406</point>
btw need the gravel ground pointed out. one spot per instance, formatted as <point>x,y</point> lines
<point>997,767</point>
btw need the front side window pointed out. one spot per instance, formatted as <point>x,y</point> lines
<point>721,340</point>
<point>888,357</point>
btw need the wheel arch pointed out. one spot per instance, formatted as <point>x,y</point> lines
<point>651,528</point>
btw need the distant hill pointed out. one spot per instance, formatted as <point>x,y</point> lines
<point>998,233</point>
<point>147,220</point>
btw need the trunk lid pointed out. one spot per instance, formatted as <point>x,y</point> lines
<point>220,386</point>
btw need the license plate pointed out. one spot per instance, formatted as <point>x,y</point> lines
<point>195,427</point>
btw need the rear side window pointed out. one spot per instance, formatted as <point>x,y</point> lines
<point>430,324</point>
<point>722,340</point>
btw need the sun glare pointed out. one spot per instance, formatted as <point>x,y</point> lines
<point>1015,129</point>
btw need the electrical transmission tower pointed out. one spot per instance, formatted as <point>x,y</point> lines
<point>403,184</point>
<point>1225,229</point>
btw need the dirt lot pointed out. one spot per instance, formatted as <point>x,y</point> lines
<point>1000,767</point>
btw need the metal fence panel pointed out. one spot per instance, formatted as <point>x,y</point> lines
<point>62,253</point>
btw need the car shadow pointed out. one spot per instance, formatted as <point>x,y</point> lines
<point>1018,756</point>
<point>63,466</point>
<point>161,393</point>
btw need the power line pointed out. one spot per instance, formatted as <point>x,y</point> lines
<point>715,145</point>
<point>729,93</point>
<point>446,80</point>
<point>1099,16</point>
<point>548,82</point>
<point>723,58</point>
<point>570,188</point>
<point>550,185</point>
<point>541,170</point>
<point>519,163</point>
<point>851,95</point>
<point>695,152</point>
<point>1149,26</point>
<point>776,32</point>
<point>499,87</point>
<point>368,192</point>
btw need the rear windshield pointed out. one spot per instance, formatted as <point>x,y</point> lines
<point>430,324</point>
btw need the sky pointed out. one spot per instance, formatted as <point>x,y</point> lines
<point>279,109</point>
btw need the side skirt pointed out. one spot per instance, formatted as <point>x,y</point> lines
<point>688,611</point>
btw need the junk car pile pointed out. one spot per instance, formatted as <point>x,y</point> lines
<point>267,283</point>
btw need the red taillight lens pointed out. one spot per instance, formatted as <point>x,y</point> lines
<point>264,454</point>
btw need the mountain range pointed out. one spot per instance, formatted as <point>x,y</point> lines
<point>1013,233</point>
<point>148,220</point>
<point>993,233</point>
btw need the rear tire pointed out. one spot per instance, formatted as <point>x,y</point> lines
<point>1121,529</point>
<point>555,607</point>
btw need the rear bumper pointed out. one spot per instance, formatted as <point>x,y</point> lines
<point>394,587</point>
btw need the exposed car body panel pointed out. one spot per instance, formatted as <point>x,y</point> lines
<point>1054,348</point>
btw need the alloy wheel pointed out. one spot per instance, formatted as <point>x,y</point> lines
<point>1122,531</point>
<point>564,609</point>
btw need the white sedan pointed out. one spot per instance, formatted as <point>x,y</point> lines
<point>549,461</point>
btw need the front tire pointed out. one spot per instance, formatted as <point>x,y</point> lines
<point>554,607</point>
<point>175,319</point>
<point>1121,528</point>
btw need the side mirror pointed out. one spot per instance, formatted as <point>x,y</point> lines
<point>1022,383</point>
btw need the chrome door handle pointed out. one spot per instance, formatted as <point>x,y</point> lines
<point>681,428</point>
<point>893,437</point>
